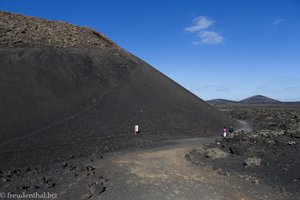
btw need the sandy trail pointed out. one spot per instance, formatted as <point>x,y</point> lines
<point>162,172</point>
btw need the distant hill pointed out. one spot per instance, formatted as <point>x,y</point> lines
<point>259,99</point>
<point>221,101</point>
<point>253,100</point>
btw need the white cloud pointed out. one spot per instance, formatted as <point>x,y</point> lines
<point>200,23</point>
<point>201,27</point>
<point>278,21</point>
<point>210,37</point>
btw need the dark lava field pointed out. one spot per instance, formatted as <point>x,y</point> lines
<point>269,153</point>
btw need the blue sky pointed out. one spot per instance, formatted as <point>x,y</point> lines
<point>215,48</point>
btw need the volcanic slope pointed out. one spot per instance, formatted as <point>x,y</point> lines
<point>69,90</point>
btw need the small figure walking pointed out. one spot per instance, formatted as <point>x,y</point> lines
<point>224,131</point>
<point>230,130</point>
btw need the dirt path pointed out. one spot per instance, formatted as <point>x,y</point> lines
<point>162,172</point>
<point>244,126</point>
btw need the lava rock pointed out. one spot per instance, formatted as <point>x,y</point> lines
<point>252,162</point>
<point>235,150</point>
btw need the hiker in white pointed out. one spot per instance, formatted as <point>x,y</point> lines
<point>224,132</point>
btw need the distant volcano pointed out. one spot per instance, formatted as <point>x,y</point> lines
<point>259,99</point>
<point>70,90</point>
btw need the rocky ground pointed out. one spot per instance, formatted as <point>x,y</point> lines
<point>268,154</point>
<point>68,180</point>
<point>156,171</point>
<point>18,30</point>
<point>273,117</point>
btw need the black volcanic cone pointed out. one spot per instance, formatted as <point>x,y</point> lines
<point>70,90</point>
